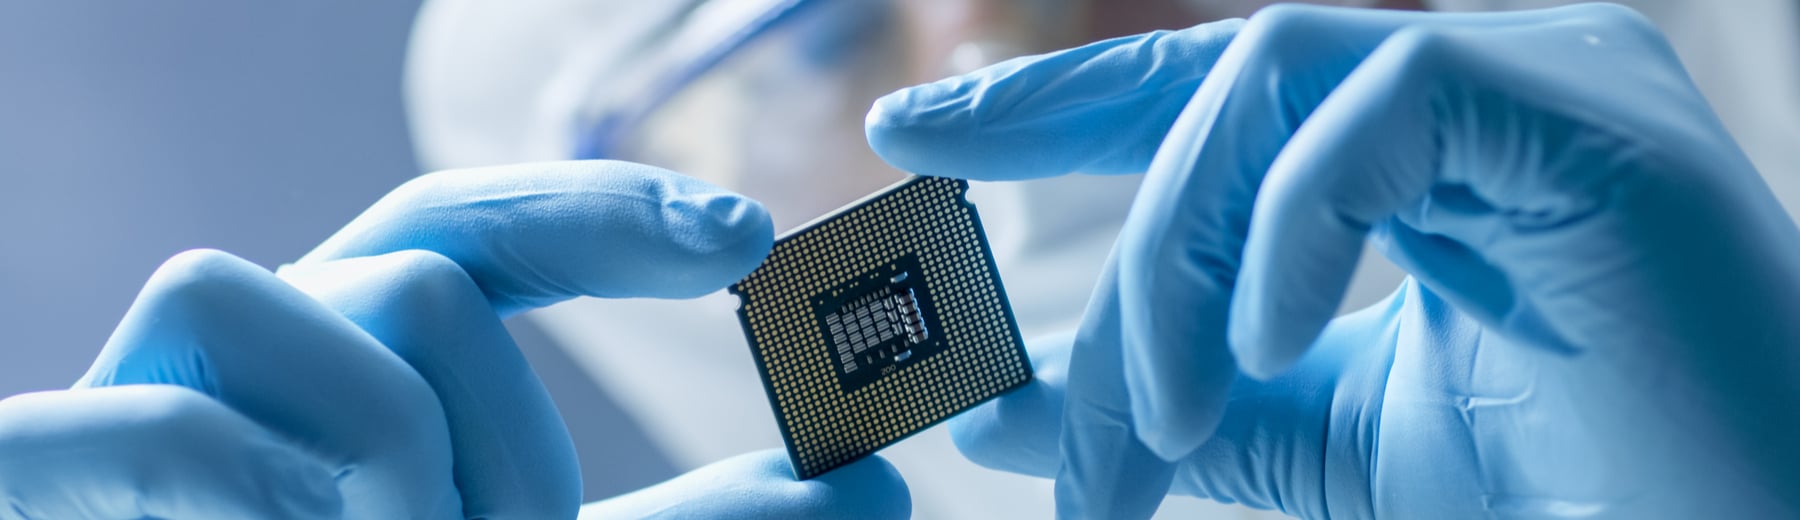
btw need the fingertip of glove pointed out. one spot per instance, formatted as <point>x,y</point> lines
<point>200,263</point>
<point>1017,432</point>
<point>1174,421</point>
<point>871,486</point>
<point>701,237</point>
<point>1265,352</point>
<point>914,129</point>
<point>199,278</point>
<point>1174,434</point>
<point>728,227</point>
<point>1172,441</point>
<point>867,488</point>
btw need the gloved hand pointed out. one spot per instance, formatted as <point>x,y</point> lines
<point>373,378</point>
<point>1601,321</point>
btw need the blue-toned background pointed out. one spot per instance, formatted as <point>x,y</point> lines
<point>130,131</point>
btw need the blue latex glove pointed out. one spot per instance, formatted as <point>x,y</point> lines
<point>373,378</point>
<point>1602,319</point>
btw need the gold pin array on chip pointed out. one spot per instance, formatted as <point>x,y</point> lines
<point>878,321</point>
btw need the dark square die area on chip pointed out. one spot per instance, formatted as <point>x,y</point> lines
<point>878,321</point>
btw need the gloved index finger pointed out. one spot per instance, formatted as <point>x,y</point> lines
<point>534,234</point>
<point>1099,108</point>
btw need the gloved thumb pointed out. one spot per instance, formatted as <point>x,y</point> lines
<point>761,485</point>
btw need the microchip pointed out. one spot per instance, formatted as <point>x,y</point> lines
<point>878,321</point>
